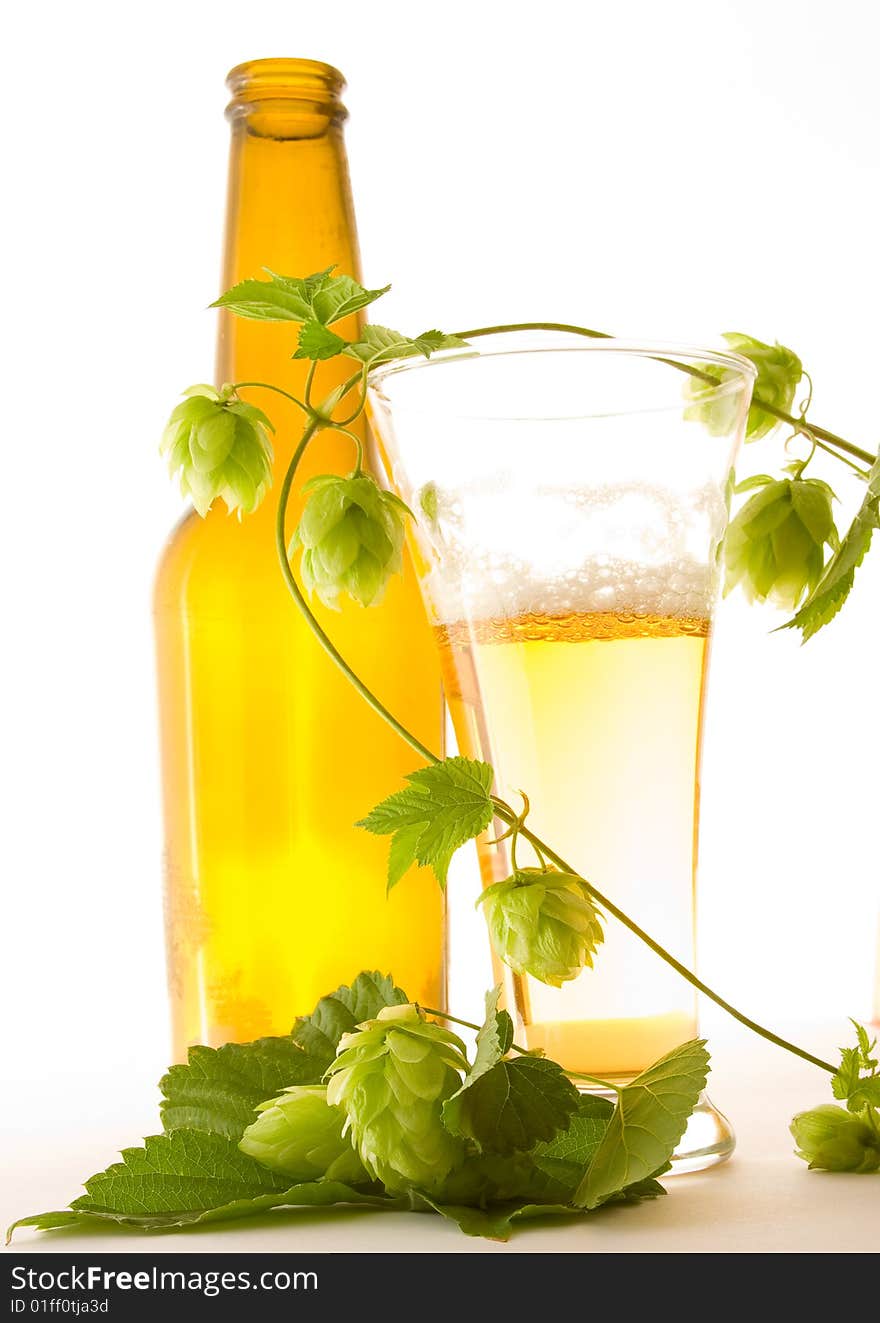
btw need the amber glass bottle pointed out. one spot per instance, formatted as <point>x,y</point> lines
<point>273,897</point>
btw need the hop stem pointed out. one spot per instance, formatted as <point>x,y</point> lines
<point>326,643</point>
<point>800,424</point>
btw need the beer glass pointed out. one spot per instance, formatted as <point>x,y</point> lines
<point>570,496</point>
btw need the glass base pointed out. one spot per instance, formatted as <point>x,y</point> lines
<point>708,1140</point>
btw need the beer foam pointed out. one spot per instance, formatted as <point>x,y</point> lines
<point>680,588</point>
<point>627,550</point>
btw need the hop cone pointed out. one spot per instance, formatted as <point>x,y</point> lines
<point>542,922</point>
<point>391,1078</point>
<point>351,532</point>
<point>300,1135</point>
<point>775,547</point>
<point>836,1140</point>
<point>220,447</point>
<point>779,371</point>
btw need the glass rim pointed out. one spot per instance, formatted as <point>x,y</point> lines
<point>674,353</point>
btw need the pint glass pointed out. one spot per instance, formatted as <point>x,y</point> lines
<point>570,497</point>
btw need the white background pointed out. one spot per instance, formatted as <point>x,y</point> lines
<point>668,170</point>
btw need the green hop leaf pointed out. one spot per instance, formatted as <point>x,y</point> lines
<point>379,344</point>
<point>832,1139</point>
<point>317,342</point>
<point>856,1081</point>
<point>508,1106</point>
<point>866,1046</point>
<point>335,297</point>
<point>218,1089</point>
<point>322,298</point>
<point>391,1078</point>
<point>846,1078</point>
<point>511,1106</point>
<point>494,1036</point>
<point>566,1157</point>
<point>187,1171</point>
<point>543,922</point>
<point>779,371</point>
<point>547,1176</point>
<point>774,548</point>
<point>318,1035</point>
<point>443,806</point>
<point>299,1135</point>
<point>182,1205</point>
<point>549,1172</point>
<point>219,446</point>
<point>650,1118</point>
<point>829,595</point>
<point>351,534</point>
<point>273,300</point>
<point>496,1221</point>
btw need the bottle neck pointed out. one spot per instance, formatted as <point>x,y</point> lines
<point>289,208</point>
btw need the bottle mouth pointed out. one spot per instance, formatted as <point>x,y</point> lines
<point>284,84</point>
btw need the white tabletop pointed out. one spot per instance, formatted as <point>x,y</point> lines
<point>763,1200</point>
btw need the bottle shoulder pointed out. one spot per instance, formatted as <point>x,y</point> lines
<point>197,554</point>
<point>218,544</point>
<point>220,565</point>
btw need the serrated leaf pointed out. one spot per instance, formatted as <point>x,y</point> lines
<point>320,297</point>
<point>820,611</point>
<point>266,301</point>
<point>340,296</point>
<point>566,1157</point>
<point>495,1221</point>
<point>183,1171</point>
<point>380,344</point>
<point>494,1038</point>
<point>402,852</point>
<point>837,580</point>
<point>847,1083</point>
<point>649,1188</point>
<point>341,1011</point>
<point>219,1088</point>
<point>512,1105</point>
<point>317,342</point>
<point>430,342</point>
<point>647,1123</point>
<point>846,1077</point>
<point>305,286</point>
<point>445,805</point>
<point>63,1217</point>
<point>311,1194</point>
<point>866,1045</point>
